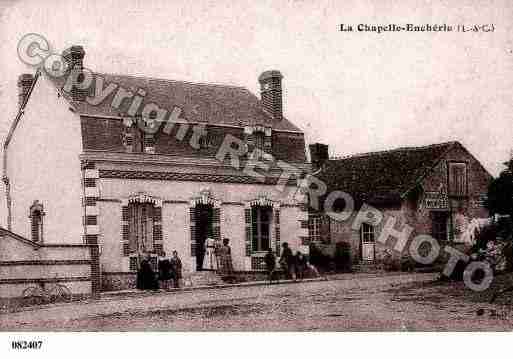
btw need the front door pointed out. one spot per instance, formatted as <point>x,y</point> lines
<point>367,242</point>
<point>204,217</point>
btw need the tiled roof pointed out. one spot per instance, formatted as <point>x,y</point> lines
<point>380,177</point>
<point>208,103</point>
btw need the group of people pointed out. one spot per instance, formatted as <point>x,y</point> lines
<point>293,266</point>
<point>169,272</point>
<point>218,256</point>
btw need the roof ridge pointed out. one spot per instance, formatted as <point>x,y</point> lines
<point>171,80</point>
<point>405,148</point>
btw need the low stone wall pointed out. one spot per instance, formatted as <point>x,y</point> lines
<point>25,264</point>
<point>118,281</point>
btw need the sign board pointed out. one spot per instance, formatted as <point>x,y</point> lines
<point>436,200</point>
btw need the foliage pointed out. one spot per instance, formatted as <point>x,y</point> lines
<point>342,258</point>
<point>319,259</point>
<point>500,194</point>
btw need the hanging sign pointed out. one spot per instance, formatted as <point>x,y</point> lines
<point>436,200</point>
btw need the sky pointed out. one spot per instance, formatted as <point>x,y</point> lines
<point>356,91</point>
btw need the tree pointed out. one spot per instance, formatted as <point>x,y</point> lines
<point>500,194</point>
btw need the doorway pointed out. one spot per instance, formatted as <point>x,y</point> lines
<point>204,224</point>
<point>367,242</point>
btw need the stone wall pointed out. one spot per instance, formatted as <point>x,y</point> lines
<point>25,264</point>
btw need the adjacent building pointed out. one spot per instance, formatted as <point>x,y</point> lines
<point>436,189</point>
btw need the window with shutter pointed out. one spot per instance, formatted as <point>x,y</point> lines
<point>141,227</point>
<point>457,179</point>
<point>261,217</point>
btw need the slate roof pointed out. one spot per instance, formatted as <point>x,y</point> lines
<point>382,177</point>
<point>208,103</point>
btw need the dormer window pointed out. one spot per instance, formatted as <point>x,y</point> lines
<point>259,137</point>
<point>135,139</point>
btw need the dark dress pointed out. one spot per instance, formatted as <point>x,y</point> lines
<point>176,271</point>
<point>287,262</point>
<point>225,261</point>
<point>165,270</point>
<point>300,266</point>
<point>270,262</point>
<point>146,277</point>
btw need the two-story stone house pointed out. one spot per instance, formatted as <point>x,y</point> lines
<point>97,164</point>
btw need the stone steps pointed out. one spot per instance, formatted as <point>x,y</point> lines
<point>204,278</point>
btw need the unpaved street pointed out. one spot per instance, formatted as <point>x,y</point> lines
<point>357,302</point>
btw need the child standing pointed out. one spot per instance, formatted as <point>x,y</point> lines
<point>270,264</point>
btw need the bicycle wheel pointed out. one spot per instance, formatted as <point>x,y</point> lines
<point>59,292</point>
<point>65,293</point>
<point>33,296</point>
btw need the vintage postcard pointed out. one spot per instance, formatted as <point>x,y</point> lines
<point>255,166</point>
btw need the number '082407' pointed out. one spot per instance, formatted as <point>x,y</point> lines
<point>23,344</point>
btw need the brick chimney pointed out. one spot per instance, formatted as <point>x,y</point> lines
<point>74,58</point>
<point>270,92</point>
<point>25,82</point>
<point>318,155</point>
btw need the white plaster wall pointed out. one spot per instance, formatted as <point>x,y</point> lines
<point>43,164</point>
<point>233,227</point>
<point>13,250</point>
<point>110,237</point>
<point>176,221</point>
<point>175,228</point>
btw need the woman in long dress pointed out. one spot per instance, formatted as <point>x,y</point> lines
<point>225,259</point>
<point>209,260</point>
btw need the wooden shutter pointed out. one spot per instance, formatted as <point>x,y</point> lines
<point>158,244</point>
<point>277,234</point>
<point>192,214</point>
<point>247,220</point>
<point>216,223</point>
<point>125,231</point>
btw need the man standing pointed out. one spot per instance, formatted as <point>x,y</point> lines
<point>287,260</point>
<point>176,269</point>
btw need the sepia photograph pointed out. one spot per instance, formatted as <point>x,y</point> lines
<point>255,166</point>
